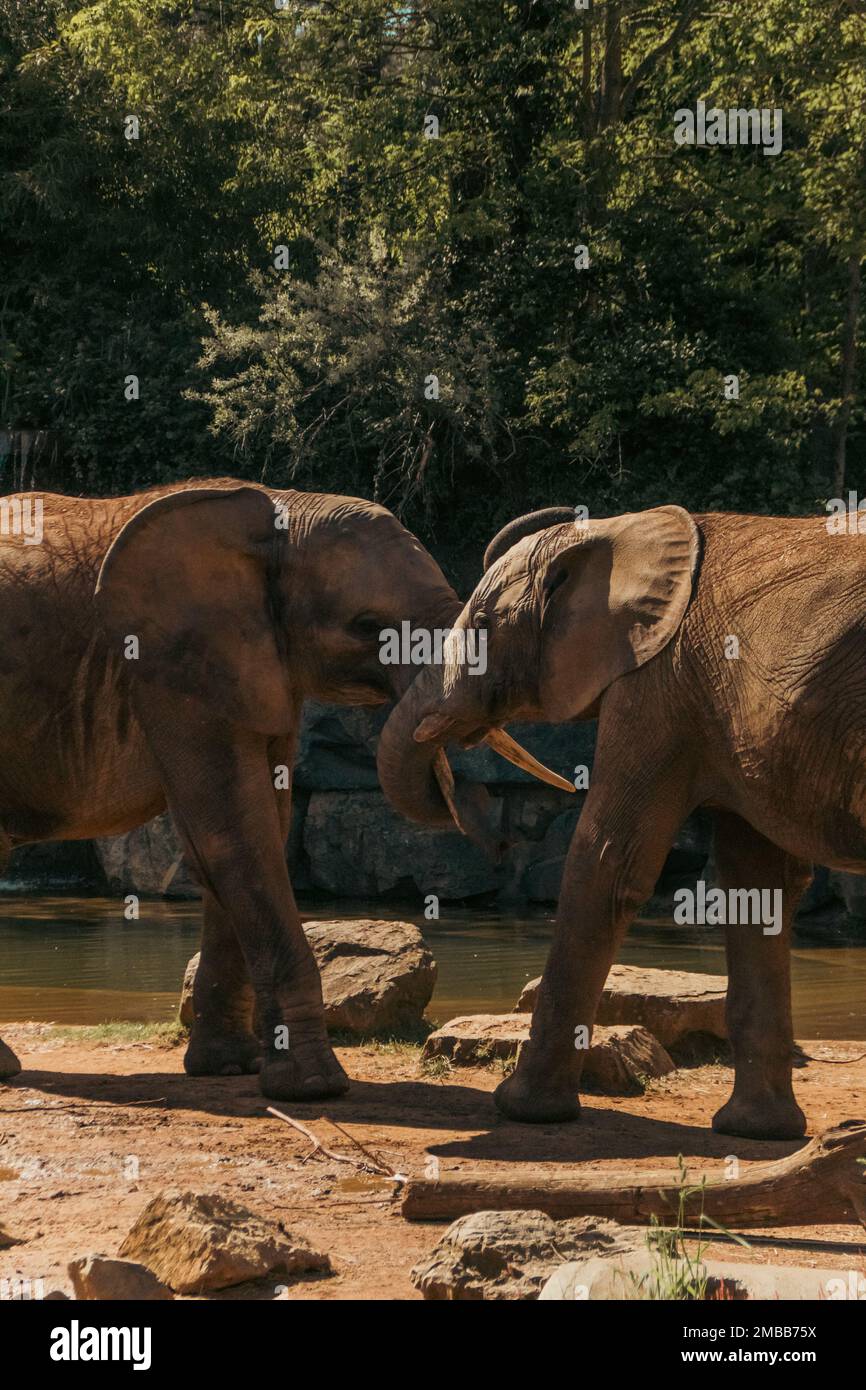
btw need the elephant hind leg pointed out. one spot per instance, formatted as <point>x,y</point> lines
<point>9,1063</point>
<point>762,1105</point>
<point>222,1040</point>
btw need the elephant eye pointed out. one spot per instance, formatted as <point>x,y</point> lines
<point>366,625</point>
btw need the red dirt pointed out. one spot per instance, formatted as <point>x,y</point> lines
<point>82,1114</point>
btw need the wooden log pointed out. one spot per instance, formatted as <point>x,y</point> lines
<point>820,1183</point>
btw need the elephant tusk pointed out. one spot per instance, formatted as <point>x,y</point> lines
<point>445,777</point>
<point>505,746</point>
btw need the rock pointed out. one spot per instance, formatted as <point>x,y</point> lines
<point>99,1276</point>
<point>619,1060</point>
<point>623,1058</point>
<point>671,1004</point>
<point>337,748</point>
<point>851,888</point>
<point>499,1255</point>
<point>543,879</point>
<point>7,1240</point>
<point>148,861</point>
<point>59,864</point>
<point>376,976</point>
<point>186,1011</point>
<point>356,845</point>
<point>477,1038</point>
<point>195,1242</point>
<point>561,747</point>
<point>641,1275</point>
<point>9,1063</point>
<point>543,876</point>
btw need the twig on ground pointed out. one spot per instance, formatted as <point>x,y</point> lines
<point>369,1164</point>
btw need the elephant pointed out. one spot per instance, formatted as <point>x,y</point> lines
<point>155,651</point>
<point>724,657</point>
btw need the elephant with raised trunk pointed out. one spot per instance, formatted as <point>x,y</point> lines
<point>155,651</point>
<point>725,659</point>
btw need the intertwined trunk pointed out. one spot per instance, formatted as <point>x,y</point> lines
<point>406,767</point>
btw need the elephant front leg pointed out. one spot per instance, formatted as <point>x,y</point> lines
<point>222,1041</point>
<point>762,1105</point>
<point>613,864</point>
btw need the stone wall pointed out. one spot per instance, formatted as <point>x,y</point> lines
<point>346,842</point>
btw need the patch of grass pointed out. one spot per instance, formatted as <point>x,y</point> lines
<point>394,1040</point>
<point>166,1034</point>
<point>436,1068</point>
<point>677,1273</point>
<point>396,1047</point>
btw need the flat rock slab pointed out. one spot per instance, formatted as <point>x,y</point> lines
<point>672,1004</point>
<point>194,1242</point>
<point>641,1274</point>
<point>619,1061</point>
<point>377,976</point>
<point>100,1276</point>
<point>502,1255</point>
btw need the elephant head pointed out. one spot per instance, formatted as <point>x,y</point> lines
<point>250,600</point>
<point>566,609</point>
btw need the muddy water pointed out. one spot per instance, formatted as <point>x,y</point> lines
<point>76,960</point>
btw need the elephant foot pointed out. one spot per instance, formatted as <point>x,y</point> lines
<point>222,1054</point>
<point>9,1064</point>
<point>308,1071</point>
<point>764,1117</point>
<point>520,1098</point>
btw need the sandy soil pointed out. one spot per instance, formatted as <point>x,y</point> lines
<point>90,1132</point>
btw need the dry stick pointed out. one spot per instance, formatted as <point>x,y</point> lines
<point>319,1147</point>
<point>382,1168</point>
<point>821,1183</point>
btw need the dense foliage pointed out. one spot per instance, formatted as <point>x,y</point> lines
<point>424,335</point>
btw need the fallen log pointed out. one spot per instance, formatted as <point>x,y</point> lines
<point>822,1183</point>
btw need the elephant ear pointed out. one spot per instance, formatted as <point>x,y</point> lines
<point>611,600</point>
<point>188,578</point>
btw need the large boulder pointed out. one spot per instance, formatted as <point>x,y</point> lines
<point>356,845</point>
<point>503,1255</point>
<point>619,1061</point>
<point>148,860</point>
<point>101,1277</point>
<point>195,1242</point>
<point>376,976</point>
<point>670,1004</point>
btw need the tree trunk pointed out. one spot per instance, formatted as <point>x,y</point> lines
<point>849,368</point>
<point>822,1182</point>
<point>611,76</point>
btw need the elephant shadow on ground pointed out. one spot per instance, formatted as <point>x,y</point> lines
<point>474,1129</point>
<point>608,1134</point>
<point>418,1104</point>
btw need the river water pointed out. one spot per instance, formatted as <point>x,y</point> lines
<point>68,959</point>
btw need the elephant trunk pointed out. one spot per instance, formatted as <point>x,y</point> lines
<point>406,767</point>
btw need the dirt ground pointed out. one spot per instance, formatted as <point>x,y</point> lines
<point>90,1132</point>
